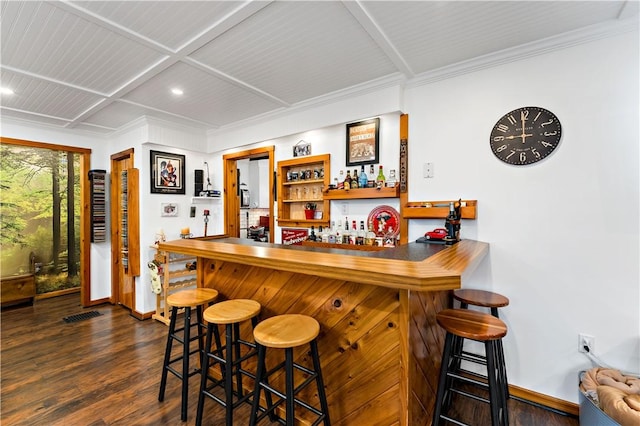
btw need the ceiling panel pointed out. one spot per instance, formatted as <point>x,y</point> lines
<point>298,50</point>
<point>206,98</point>
<point>45,98</point>
<point>170,23</point>
<point>45,40</point>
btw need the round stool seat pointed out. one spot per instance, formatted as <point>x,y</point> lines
<point>286,331</point>
<point>471,324</point>
<point>232,311</point>
<point>192,297</point>
<point>484,298</point>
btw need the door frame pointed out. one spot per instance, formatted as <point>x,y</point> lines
<point>85,196</point>
<point>231,188</point>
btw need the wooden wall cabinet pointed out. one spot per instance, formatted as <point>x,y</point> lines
<point>301,181</point>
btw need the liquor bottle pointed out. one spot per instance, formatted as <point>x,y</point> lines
<point>312,236</point>
<point>372,177</point>
<point>362,179</point>
<point>389,238</point>
<point>370,238</point>
<point>339,233</point>
<point>391,180</point>
<point>361,234</point>
<point>347,181</point>
<point>324,235</point>
<point>332,232</point>
<point>353,235</point>
<point>345,234</point>
<point>354,182</point>
<point>380,179</point>
<point>341,181</point>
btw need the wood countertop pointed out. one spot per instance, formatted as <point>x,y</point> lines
<point>414,266</point>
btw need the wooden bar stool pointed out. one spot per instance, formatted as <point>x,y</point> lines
<point>229,313</point>
<point>187,299</point>
<point>481,327</point>
<point>485,299</point>
<point>286,332</point>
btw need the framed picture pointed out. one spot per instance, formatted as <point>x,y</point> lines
<point>168,209</point>
<point>301,149</point>
<point>363,142</point>
<point>167,173</point>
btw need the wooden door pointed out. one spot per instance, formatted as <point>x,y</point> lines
<point>122,283</point>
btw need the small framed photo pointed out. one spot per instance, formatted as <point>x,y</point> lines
<point>168,209</point>
<point>167,173</point>
<point>363,142</point>
<point>302,149</point>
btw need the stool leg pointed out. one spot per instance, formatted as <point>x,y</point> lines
<point>167,352</point>
<point>495,394</point>
<point>446,353</point>
<point>201,332</point>
<point>204,375</point>
<point>504,384</point>
<point>289,385</point>
<point>321,393</point>
<point>261,371</point>
<point>228,371</point>
<point>238,355</point>
<point>185,362</point>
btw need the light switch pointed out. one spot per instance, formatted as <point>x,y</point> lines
<point>427,170</point>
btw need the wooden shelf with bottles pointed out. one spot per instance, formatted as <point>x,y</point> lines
<point>362,193</point>
<point>437,209</point>
<point>301,181</point>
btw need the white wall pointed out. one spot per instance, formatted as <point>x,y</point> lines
<point>563,232</point>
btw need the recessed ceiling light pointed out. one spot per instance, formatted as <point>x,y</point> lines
<point>177,91</point>
<point>6,91</point>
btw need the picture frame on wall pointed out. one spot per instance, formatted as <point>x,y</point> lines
<point>301,149</point>
<point>363,142</point>
<point>168,209</point>
<point>167,173</point>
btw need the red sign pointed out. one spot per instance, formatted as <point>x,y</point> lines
<point>294,236</point>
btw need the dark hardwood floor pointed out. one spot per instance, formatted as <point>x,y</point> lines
<point>106,371</point>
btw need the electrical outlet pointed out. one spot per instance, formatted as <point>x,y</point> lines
<point>585,340</point>
<point>344,209</point>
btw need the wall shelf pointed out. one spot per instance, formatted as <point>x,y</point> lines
<point>293,195</point>
<point>362,193</point>
<point>200,199</point>
<point>437,209</point>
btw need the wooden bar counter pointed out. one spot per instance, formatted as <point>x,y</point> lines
<point>380,346</point>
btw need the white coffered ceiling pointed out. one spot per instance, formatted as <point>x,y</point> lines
<point>99,65</point>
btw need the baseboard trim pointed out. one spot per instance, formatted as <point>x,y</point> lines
<point>141,316</point>
<point>545,400</point>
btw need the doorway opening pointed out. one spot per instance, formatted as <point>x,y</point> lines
<point>233,222</point>
<point>44,224</point>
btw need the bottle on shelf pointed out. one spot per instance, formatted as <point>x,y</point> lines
<point>340,184</point>
<point>324,235</point>
<point>312,236</point>
<point>389,238</point>
<point>370,238</point>
<point>332,232</point>
<point>345,234</point>
<point>362,179</point>
<point>353,234</point>
<point>391,180</point>
<point>361,234</point>
<point>347,181</point>
<point>380,179</point>
<point>354,181</point>
<point>339,232</point>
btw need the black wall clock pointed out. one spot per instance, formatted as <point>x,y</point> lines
<point>525,135</point>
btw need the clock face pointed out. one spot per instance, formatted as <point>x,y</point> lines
<point>525,135</point>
